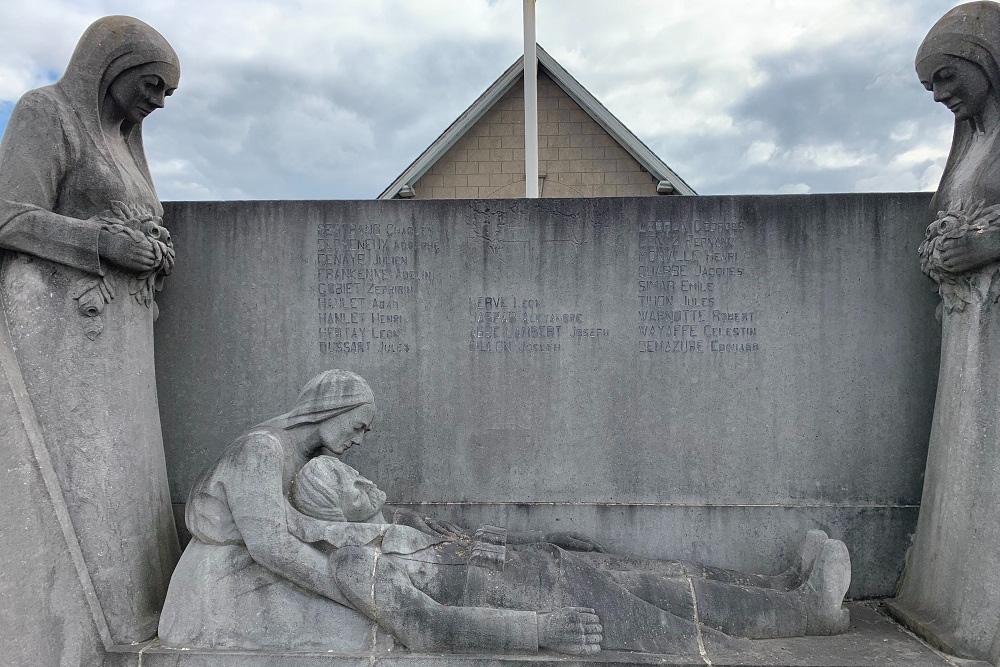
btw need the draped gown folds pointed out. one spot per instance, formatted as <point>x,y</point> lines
<point>81,330</point>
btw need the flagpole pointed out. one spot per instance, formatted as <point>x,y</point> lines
<point>530,103</point>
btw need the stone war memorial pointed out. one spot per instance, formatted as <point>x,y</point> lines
<point>730,430</point>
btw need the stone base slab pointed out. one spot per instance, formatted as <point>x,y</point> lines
<point>873,641</point>
<point>928,629</point>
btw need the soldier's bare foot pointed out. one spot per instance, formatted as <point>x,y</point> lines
<point>571,630</point>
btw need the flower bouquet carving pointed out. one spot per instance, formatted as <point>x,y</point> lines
<point>956,289</point>
<point>141,225</point>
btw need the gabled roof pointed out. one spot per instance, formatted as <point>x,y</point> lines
<point>614,127</point>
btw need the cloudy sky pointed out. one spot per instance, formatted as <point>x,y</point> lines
<point>323,99</point>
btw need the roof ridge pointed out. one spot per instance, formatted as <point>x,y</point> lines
<point>569,85</point>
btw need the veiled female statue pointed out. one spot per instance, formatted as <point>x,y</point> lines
<point>291,548</point>
<point>82,251</point>
<point>948,591</point>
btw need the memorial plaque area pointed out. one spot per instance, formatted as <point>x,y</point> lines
<point>681,377</point>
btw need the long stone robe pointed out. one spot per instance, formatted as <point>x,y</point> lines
<point>950,590</point>
<point>90,379</point>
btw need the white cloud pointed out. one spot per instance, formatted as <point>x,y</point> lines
<point>794,189</point>
<point>904,131</point>
<point>17,78</point>
<point>932,176</point>
<point>760,151</point>
<point>918,155</point>
<point>170,168</point>
<point>830,156</point>
<point>311,98</point>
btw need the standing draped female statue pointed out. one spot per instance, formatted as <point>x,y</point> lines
<point>949,591</point>
<point>82,251</point>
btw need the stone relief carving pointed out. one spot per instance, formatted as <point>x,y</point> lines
<point>957,63</point>
<point>291,547</point>
<point>141,226</point>
<point>949,590</point>
<point>79,225</point>
<point>950,228</point>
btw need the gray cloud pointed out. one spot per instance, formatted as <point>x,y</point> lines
<point>311,99</point>
<point>830,127</point>
<point>269,132</point>
<point>849,116</point>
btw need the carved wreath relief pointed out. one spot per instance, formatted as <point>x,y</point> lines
<point>140,224</point>
<point>957,289</point>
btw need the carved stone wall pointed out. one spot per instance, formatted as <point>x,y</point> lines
<point>680,377</point>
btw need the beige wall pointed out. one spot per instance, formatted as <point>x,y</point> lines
<point>577,157</point>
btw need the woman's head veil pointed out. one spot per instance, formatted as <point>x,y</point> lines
<point>110,46</point>
<point>327,395</point>
<point>970,31</point>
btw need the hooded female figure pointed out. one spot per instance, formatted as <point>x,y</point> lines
<point>248,578</point>
<point>957,545</point>
<point>82,250</point>
<point>257,572</point>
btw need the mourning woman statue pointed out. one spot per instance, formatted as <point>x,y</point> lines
<point>948,591</point>
<point>291,548</point>
<point>82,251</point>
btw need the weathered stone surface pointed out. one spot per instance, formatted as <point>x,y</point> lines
<point>873,641</point>
<point>331,573</point>
<point>720,457</point>
<point>49,613</point>
<point>82,251</point>
<point>951,589</point>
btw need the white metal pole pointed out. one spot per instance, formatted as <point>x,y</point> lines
<point>530,103</point>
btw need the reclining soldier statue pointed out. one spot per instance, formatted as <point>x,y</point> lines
<point>292,548</point>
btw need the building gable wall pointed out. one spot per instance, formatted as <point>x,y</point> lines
<point>576,156</point>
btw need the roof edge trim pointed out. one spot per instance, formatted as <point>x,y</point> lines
<point>607,120</point>
<point>590,104</point>
<point>456,130</point>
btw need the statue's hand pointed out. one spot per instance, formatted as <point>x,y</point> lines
<point>970,251</point>
<point>126,252</point>
<point>572,630</point>
<point>425,524</point>
<point>445,528</point>
<point>574,542</point>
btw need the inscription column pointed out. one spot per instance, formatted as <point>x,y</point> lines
<point>366,283</point>
<point>512,323</point>
<point>685,271</point>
